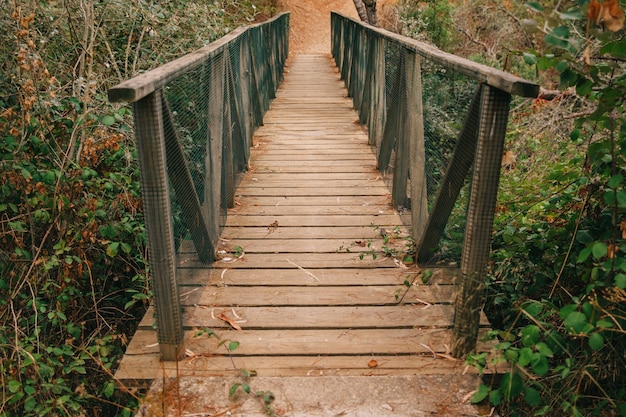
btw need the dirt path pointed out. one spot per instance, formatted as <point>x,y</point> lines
<point>310,23</point>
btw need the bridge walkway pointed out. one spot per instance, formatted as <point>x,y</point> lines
<point>311,280</point>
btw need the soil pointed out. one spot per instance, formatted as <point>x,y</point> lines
<point>310,23</point>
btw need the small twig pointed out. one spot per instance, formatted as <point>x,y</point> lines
<point>304,270</point>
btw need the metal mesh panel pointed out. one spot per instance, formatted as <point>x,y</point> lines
<point>214,108</point>
<point>447,89</point>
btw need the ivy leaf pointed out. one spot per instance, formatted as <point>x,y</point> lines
<point>108,120</point>
<point>112,249</point>
<point>511,385</point>
<point>480,394</point>
<point>530,59</point>
<point>14,386</point>
<point>539,364</point>
<point>620,281</point>
<point>530,335</point>
<point>617,49</point>
<point>109,389</point>
<point>535,6</point>
<point>599,250</point>
<point>532,396</point>
<point>596,341</point>
<point>615,181</point>
<point>525,356</point>
<point>575,322</point>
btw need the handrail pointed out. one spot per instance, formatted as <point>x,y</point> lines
<point>493,77</point>
<point>140,86</point>
<point>369,59</point>
<point>194,120</point>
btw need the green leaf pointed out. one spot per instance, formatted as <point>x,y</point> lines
<point>530,59</point>
<point>109,389</point>
<point>233,390</point>
<point>617,48</point>
<point>535,6</point>
<point>561,31</point>
<point>232,346</point>
<point>511,385</point>
<point>530,335</point>
<point>495,397</point>
<point>525,356</point>
<point>539,364</point>
<point>14,386</point>
<point>620,281</point>
<point>533,308</point>
<point>575,322</point>
<point>108,120</point>
<point>480,394</point>
<point>112,249</point>
<point>615,181</point>
<point>532,396</point>
<point>544,349</point>
<point>26,173</point>
<point>583,255</point>
<point>621,199</point>
<point>596,341</point>
<point>599,250</point>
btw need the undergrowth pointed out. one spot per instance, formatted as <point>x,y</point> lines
<point>73,276</point>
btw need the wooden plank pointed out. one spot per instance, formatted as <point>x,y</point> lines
<point>149,367</point>
<point>311,342</point>
<point>325,277</point>
<point>355,232</point>
<point>327,201</point>
<point>309,245</point>
<point>298,183</point>
<point>311,192</point>
<point>309,176</point>
<point>269,210</point>
<point>305,317</point>
<point>315,295</point>
<point>313,220</point>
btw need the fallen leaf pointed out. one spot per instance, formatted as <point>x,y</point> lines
<point>230,321</point>
<point>372,364</point>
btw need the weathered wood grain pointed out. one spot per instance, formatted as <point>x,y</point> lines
<point>307,304</point>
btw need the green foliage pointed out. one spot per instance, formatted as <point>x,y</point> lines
<point>73,277</point>
<point>429,21</point>
<point>557,285</point>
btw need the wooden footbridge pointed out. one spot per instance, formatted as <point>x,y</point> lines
<point>288,250</point>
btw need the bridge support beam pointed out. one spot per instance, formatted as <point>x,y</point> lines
<point>493,117</point>
<point>150,133</point>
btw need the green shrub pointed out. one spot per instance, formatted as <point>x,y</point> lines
<point>558,287</point>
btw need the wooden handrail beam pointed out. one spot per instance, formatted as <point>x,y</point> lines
<point>493,77</point>
<point>140,86</point>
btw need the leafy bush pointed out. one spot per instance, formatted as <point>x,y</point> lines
<point>73,277</point>
<point>558,287</point>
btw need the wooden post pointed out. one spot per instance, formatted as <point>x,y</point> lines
<point>453,181</point>
<point>494,113</point>
<point>214,155</point>
<point>376,117</point>
<point>414,129</point>
<point>157,212</point>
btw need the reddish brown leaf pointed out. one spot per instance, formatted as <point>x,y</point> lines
<point>230,321</point>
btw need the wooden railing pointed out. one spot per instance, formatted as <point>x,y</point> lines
<point>395,118</point>
<point>194,120</point>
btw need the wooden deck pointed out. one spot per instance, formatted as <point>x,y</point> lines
<point>306,303</point>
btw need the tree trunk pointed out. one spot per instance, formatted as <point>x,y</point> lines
<point>361,10</point>
<point>372,17</point>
